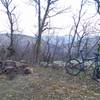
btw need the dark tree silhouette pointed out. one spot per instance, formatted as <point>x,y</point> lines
<point>9,9</point>
<point>98,5</point>
<point>43,14</point>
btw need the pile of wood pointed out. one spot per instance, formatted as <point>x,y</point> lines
<point>11,68</point>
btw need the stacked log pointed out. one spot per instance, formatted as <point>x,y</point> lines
<point>11,68</point>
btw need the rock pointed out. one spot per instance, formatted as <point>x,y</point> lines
<point>59,63</point>
<point>44,64</point>
<point>23,61</point>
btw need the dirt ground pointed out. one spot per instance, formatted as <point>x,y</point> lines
<point>49,84</point>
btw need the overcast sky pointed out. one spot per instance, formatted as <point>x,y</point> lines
<point>27,20</point>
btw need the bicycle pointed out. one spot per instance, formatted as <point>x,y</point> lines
<point>75,66</point>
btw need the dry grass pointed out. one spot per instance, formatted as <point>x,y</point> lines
<point>49,84</point>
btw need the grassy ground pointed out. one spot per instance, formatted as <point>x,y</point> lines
<point>49,84</point>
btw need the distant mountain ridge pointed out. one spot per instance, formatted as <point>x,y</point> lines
<point>24,39</point>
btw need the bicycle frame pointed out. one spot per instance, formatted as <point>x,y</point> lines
<point>82,58</point>
<point>82,66</point>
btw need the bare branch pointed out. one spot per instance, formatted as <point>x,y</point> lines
<point>57,13</point>
<point>53,1</point>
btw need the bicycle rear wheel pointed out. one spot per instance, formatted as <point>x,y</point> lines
<point>73,67</point>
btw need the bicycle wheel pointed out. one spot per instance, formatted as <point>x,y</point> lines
<point>73,67</point>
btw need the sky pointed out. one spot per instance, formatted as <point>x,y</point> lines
<point>27,18</point>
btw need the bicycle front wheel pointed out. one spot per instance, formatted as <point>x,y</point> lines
<point>73,67</point>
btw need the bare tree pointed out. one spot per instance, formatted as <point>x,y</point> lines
<point>75,28</point>
<point>44,12</point>
<point>12,22</point>
<point>46,50</point>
